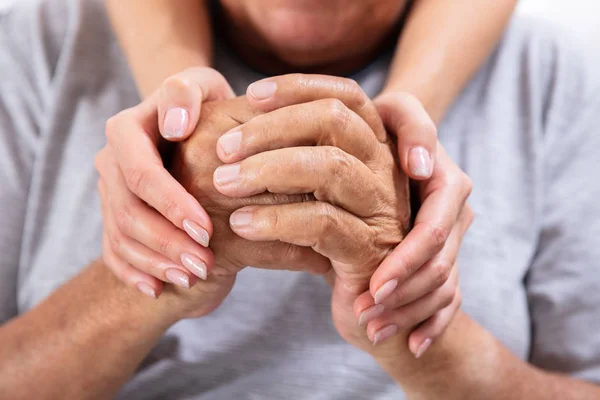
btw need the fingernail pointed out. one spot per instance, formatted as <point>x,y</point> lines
<point>146,289</point>
<point>419,162</point>
<point>227,173</point>
<point>240,219</point>
<point>195,265</point>
<point>178,278</point>
<point>196,232</point>
<point>384,333</point>
<point>370,314</point>
<point>175,123</point>
<point>385,290</point>
<point>423,347</point>
<point>230,142</point>
<point>262,90</point>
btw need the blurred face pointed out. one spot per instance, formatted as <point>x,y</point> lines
<point>309,34</point>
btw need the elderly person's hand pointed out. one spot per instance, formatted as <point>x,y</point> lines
<point>272,170</point>
<point>425,261</point>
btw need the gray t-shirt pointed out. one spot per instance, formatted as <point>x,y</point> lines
<point>525,130</point>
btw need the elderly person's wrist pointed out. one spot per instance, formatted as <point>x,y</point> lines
<point>128,304</point>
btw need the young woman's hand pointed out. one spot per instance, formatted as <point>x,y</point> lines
<point>150,221</point>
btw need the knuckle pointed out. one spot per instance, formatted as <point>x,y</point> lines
<point>171,210</point>
<point>438,234</point>
<point>325,218</point>
<point>165,244</point>
<point>467,184</point>
<point>442,270</point>
<point>355,92</point>
<point>338,162</point>
<point>447,295</point>
<point>458,298</point>
<point>123,219</point>
<point>338,115</point>
<point>136,179</point>
<point>113,125</point>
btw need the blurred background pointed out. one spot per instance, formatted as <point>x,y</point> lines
<point>581,16</point>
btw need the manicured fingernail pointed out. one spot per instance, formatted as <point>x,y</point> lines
<point>195,265</point>
<point>196,232</point>
<point>370,314</point>
<point>146,289</point>
<point>175,123</point>
<point>423,347</point>
<point>178,278</point>
<point>227,173</point>
<point>419,162</point>
<point>385,290</point>
<point>240,219</point>
<point>384,333</point>
<point>230,142</point>
<point>262,90</point>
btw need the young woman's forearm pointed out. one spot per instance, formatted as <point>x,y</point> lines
<point>161,37</point>
<point>442,45</point>
<point>467,362</point>
<point>83,342</point>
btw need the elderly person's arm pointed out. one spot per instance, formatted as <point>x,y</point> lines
<point>83,342</point>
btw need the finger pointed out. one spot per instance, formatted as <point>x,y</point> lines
<point>144,283</point>
<point>132,148</point>
<point>325,122</point>
<point>136,220</point>
<point>281,91</point>
<point>331,174</point>
<point>329,230</point>
<point>405,117</point>
<point>129,274</point>
<point>444,196</point>
<point>146,260</point>
<point>432,275</point>
<point>426,334</point>
<point>181,97</point>
<point>407,317</point>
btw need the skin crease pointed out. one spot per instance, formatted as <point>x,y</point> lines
<point>233,252</point>
<point>279,36</point>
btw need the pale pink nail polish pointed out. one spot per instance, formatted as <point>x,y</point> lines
<point>231,142</point>
<point>370,314</point>
<point>146,289</point>
<point>195,265</point>
<point>196,232</point>
<point>384,333</point>
<point>262,90</point>
<point>175,123</point>
<point>385,290</point>
<point>178,278</point>
<point>227,173</point>
<point>419,162</point>
<point>423,347</point>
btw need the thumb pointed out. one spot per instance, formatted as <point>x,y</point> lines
<point>405,117</point>
<point>180,99</point>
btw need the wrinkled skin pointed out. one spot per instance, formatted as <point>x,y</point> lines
<point>387,220</point>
